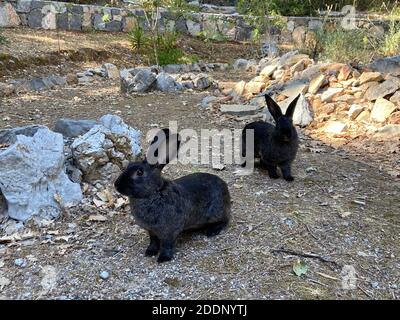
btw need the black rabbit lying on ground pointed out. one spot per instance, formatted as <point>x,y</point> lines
<point>166,208</point>
<point>276,146</point>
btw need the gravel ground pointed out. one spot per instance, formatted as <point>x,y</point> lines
<point>344,212</point>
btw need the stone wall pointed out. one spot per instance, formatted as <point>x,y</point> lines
<point>68,16</point>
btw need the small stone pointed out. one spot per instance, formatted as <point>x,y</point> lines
<point>395,98</point>
<point>111,71</point>
<point>267,71</point>
<point>363,116</point>
<point>104,275</point>
<point>370,76</point>
<point>240,64</point>
<point>354,111</point>
<point>316,83</point>
<point>207,101</point>
<point>328,94</point>
<point>344,73</point>
<point>20,262</point>
<point>335,127</point>
<point>382,110</point>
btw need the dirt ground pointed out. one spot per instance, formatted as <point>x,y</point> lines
<point>343,212</point>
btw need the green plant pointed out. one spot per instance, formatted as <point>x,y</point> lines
<point>139,41</point>
<point>345,46</point>
<point>389,43</point>
<point>262,15</point>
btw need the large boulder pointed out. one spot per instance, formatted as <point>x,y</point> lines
<point>33,182</point>
<point>105,150</point>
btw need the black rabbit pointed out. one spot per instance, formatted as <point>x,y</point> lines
<point>166,208</point>
<point>276,146</point>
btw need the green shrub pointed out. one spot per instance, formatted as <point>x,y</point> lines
<point>167,51</point>
<point>345,46</point>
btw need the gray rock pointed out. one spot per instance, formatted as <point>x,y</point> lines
<point>142,81</point>
<point>293,88</point>
<point>240,64</point>
<point>172,68</point>
<point>23,6</point>
<point>270,49</point>
<point>32,177</point>
<point>105,150</point>
<point>207,101</point>
<point>382,90</point>
<point>70,128</point>
<point>75,22</point>
<point>35,19</point>
<point>111,71</point>
<point>390,65</point>
<point>62,21</point>
<point>113,26</point>
<point>165,83</point>
<point>104,275</point>
<point>8,16</point>
<point>240,109</point>
<point>202,81</point>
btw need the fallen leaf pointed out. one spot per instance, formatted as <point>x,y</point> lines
<point>300,268</point>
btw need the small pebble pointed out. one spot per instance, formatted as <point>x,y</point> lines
<point>104,275</point>
<point>20,262</point>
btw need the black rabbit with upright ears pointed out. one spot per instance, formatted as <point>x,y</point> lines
<point>165,208</point>
<point>276,146</point>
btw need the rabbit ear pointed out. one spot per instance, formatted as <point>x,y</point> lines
<point>273,108</point>
<point>163,148</point>
<point>291,107</point>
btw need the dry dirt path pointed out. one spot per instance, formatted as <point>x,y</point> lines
<point>343,211</point>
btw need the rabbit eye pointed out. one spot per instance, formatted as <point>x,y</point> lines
<point>139,172</point>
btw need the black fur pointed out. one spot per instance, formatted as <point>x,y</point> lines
<point>166,208</point>
<point>275,146</point>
